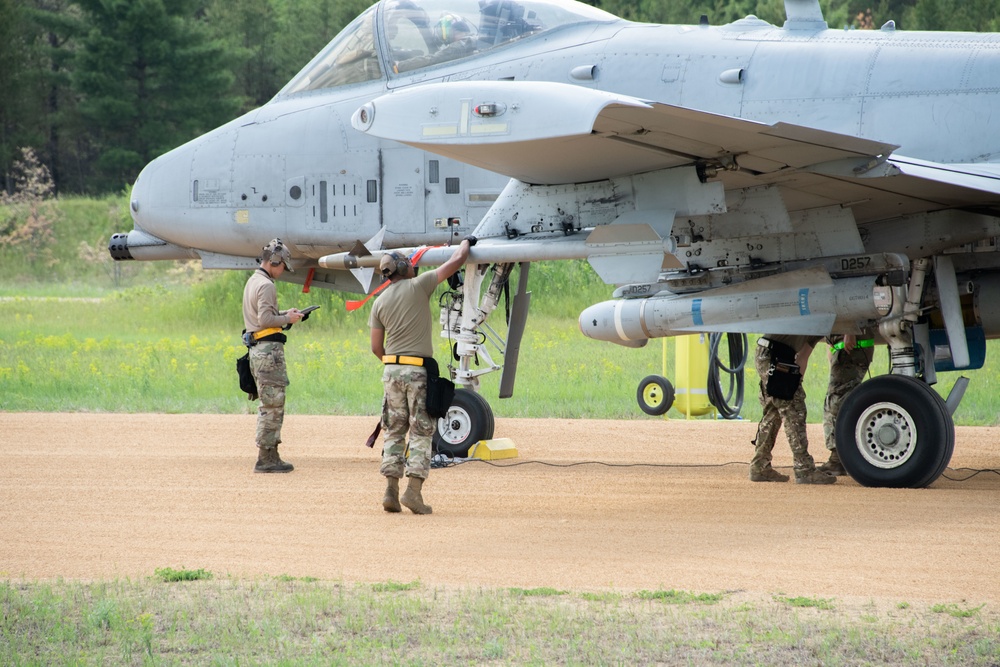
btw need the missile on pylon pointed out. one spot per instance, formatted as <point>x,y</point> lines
<point>807,302</point>
<point>619,252</point>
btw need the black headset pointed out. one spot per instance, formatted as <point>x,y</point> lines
<point>400,266</point>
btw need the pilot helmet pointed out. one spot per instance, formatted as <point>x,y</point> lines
<point>451,28</point>
<point>276,253</point>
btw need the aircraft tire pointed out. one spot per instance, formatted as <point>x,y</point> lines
<point>655,395</point>
<point>469,420</point>
<point>895,431</point>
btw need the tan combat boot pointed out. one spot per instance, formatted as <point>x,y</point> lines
<point>833,466</point>
<point>269,461</point>
<point>390,501</point>
<point>768,474</point>
<point>814,476</point>
<point>412,499</point>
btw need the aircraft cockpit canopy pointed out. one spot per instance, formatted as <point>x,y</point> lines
<point>351,57</point>
<point>423,33</point>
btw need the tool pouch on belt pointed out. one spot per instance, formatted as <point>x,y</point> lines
<point>247,384</point>
<point>440,391</point>
<point>783,375</point>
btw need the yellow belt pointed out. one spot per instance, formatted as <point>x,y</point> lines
<point>401,359</point>
<point>257,335</point>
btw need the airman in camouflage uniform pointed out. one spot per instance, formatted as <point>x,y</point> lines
<point>401,338</point>
<point>404,407</point>
<point>264,322</point>
<point>849,363</point>
<point>792,412</point>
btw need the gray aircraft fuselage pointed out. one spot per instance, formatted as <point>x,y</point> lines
<point>296,169</point>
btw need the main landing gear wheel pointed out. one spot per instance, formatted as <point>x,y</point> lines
<point>468,421</point>
<point>655,395</point>
<point>895,431</point>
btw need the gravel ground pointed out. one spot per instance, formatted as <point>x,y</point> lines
<point>649,504</point>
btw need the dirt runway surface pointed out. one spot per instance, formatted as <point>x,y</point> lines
<point>100,496</point>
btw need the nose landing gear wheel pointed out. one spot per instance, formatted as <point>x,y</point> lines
<point>468,421</point>
<point>655,395</point>
<point>895,431</point>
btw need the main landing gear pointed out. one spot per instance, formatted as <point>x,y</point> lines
<point>463,319</point>
<point>895,431</point>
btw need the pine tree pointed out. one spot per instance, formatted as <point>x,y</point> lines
<point>14,68</point>
<point>249,29</point>
<point>52,27</point>
<point>150,78</point>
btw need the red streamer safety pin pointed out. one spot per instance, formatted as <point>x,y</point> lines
<point>354,305</point>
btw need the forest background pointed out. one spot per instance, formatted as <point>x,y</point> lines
<point>98,88</point>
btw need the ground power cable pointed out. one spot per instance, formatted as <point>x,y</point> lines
<point>729,404</point>
<point>440,461</point>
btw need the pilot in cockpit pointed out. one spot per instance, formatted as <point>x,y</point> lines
<point>451,37</point>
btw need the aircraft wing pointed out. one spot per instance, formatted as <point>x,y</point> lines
<point>550,133</point>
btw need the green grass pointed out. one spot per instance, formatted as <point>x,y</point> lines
<point>956,611</point>
<point>173,349</point>
<point>168,574</point>
<point>680,597</point>
<point>226,621</point>
<point>799,601</point>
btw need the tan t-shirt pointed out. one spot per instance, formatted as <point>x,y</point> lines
<point>403,311</point>
<point>260,304</point>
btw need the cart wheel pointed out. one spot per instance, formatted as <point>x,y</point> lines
<point>655,395</point>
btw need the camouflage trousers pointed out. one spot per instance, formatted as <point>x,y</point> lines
<point>404,408</point>
<point>775,412</point>
<point>267,363</point>
<point>847,371</point>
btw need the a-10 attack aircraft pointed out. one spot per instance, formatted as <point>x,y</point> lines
<point>738,178</point>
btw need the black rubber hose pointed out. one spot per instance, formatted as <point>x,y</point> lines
<point>730,403</point>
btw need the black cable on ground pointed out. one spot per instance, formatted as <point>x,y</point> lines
<point>730,403</point>
<point>444,461</point>
<point>973,472</point>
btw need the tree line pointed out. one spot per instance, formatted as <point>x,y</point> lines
<point>98,88</point>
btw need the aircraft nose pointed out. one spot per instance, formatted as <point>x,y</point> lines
<point>139,194</point>
<point>143,205</point>
<point>160,199</point>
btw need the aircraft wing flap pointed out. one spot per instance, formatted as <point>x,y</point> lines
<point>982,178</point>
<point>757,146</point>
<point>848,144</point>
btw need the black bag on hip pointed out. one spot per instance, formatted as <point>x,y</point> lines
<point>440,391</point>
<point>247,383</point>
<point>783,379</point>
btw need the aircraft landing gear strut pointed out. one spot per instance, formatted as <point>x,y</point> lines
<point>895,430</point>
<point>470,418</point>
